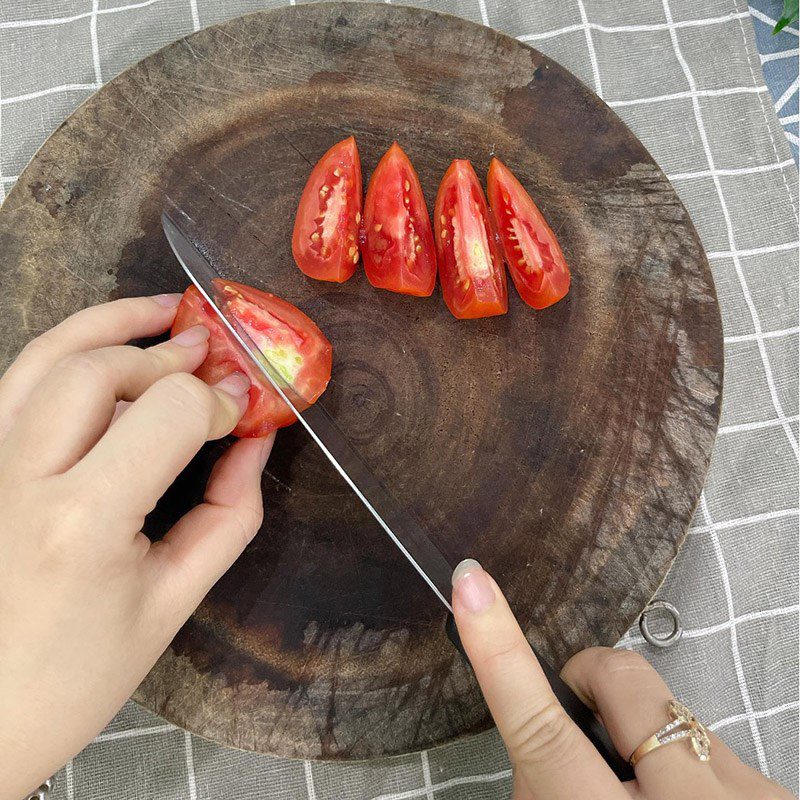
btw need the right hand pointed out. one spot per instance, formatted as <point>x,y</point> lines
<point>551,758</point>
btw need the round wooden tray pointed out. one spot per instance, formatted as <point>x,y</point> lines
<point>565,449</point>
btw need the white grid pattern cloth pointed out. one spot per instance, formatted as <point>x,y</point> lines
<point>687,79</point>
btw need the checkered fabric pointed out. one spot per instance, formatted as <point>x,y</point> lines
<point>687,78</point>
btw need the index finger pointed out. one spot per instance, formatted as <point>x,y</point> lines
<point>554,758</point>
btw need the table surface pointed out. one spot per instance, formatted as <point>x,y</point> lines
<point>687,77</point>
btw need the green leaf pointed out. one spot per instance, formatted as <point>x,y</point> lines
<point>789,15</point>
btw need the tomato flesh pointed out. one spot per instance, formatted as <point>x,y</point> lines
<point>470,260</point>
<point>535,261</point>
<point>325,238</point>
<point>397,240</point>
<point>287,337</point>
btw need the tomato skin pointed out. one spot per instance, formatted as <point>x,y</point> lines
<point>470,260</point>
<point>270,319</point>
<point>325,238</point>
<point>397,240</point>
<point>543,277</point>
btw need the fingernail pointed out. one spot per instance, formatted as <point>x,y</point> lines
<point>266,449</point>
<point>192,336</point>
<point>472,586</point>
<point>237,384</point>
<point>167,300</point>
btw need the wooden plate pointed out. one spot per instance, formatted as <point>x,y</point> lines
<point>565,449</point>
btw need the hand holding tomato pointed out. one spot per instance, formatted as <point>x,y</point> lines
<point>92,432</point>
<point>294,345</point>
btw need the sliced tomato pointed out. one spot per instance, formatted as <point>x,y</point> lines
<point>291,341</point>
<point>470,260</point>
<point>397,240</point>
<point>325,240</point>
<point>535,260</point>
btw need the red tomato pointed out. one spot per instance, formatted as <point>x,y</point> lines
<point>294,344</point>
<point>535,260</point>
<point>397,241</point>
<point>325,240</point>
<point>470,260</point>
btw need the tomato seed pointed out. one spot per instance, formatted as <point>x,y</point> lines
<point>407,186</point>
<point>377,259</point>
<point>444,233</point>
<point>418,248</point>
<point>378,227</point>
<point>314,236</point>
<point>443,219</point>
<point>337,172</point>
<point>416,238</point>
<point>521,261</point>
<point>355,258</point>
<point>406,199</point>
<point>467,283</point>
<point>358,217</point>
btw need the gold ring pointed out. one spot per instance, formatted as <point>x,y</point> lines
<point>684,725</point>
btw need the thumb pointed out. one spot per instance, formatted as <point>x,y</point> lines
<point>545,746</point>
<point>204,543</point>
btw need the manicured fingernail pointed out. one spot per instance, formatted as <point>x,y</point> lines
<point>472,587</point>
<point>237,384</point>
<point>191,337</point>
<point>167,300</point>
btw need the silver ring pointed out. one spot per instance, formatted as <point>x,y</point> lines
<point>677,629</point>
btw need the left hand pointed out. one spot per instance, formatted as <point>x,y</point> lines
<point>87,603</point>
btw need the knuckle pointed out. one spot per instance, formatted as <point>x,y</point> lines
<point>190,395</point>
<point>545,736</point>
<point>40,347</point>
<point>61,541</point>
<point>85,369</point>
<point>246,522</point>
<point>502,653</point>
<point>616,664</point>
<point>159,361</point>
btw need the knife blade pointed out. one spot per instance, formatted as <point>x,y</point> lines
<point>400,526</point>
<point>397,522</point>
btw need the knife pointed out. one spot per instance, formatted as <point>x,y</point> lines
<point>396,522</point>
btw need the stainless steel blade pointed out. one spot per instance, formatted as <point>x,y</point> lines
<point>400,526</point>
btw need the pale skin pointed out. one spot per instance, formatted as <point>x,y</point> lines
<point>92,432</point>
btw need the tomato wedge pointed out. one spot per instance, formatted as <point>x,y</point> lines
<point>470,260</point>
<point>325,239</point>
<point>535,260</point>
<point>397,240</point>
<point>284,333</point>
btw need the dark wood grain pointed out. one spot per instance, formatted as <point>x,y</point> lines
<point>565,449</point>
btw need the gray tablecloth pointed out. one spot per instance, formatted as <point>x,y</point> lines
<point>685,75</point>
